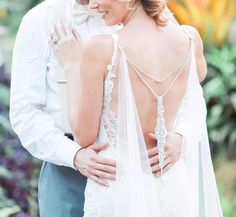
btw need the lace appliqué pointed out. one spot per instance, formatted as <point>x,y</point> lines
<point>109,118</point>
<point>99,199</point>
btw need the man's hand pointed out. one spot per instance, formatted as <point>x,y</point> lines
<point>93,166</point>
<point>173,149</point>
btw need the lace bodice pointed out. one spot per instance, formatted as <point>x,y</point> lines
<point>108,117</point>
<point>108,131</point>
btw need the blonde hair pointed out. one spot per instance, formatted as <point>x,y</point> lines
<point>155,9</point>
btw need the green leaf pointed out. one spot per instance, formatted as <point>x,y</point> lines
<point>4,94</point>
<point>233,100</point>
<point>5,173</point>
<point>214,88</point>
<point>232,81</point>
<point>5,123</point>
<point>7,211</point>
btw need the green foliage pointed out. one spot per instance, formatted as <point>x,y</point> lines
<point>18,172</point>
<point>220,95</point>
<point>228,208</point>
<point>7,205</point>
<point>227,204</point>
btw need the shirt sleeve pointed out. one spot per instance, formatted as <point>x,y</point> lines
<point>36,129</point>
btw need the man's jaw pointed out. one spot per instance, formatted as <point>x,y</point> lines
<point>83,2</point>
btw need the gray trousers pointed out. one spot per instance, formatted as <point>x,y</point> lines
<point>61,191</point>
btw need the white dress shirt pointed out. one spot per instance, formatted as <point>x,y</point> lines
<point>36,104</point>
<point>35,110</point>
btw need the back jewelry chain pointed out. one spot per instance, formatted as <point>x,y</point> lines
<point>161,129</point>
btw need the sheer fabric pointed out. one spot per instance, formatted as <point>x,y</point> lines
<point>188,189</point>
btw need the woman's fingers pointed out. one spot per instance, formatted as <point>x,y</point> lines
<point>53,38</point>
<point>77,36</point>
<point>63,26</point>
<point>59,31</point>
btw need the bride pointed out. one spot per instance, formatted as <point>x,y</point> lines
<point>131,83</point>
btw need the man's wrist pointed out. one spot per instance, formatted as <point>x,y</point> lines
<point>75,158</point>
<point>183,144</point>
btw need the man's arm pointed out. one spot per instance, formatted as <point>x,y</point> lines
<point>34,126</point>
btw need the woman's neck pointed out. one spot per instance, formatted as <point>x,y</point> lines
<point>135,15</point>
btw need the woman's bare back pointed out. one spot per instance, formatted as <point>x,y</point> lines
<point>162,53</point>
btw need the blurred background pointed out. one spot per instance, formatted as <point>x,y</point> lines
<point>216,22</point>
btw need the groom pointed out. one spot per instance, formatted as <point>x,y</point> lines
<point>36,110</point>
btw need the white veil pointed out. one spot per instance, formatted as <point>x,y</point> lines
<point>134,183</point>
<point>134,179</point>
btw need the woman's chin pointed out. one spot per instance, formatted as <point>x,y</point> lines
<point>111,22</point>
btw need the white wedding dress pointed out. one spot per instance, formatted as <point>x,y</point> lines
<point>188,189</point>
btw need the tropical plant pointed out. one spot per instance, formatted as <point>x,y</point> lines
<point>18,172</point>
<point>211,17</point>
<point>220,95</point>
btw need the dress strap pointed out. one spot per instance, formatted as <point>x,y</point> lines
<point>172,82</point>
<point>110,67</point>
<point>186,30</point>
<point>193,73</point>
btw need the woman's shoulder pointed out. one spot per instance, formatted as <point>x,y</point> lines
<point>99,47</point>
<point>199,51</point>
<point>194,33</point>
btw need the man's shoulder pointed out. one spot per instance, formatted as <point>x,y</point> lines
<point>39,13</point>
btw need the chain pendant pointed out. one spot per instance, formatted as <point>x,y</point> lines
<point>161,132</point>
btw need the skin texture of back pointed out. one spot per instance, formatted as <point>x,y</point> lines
<point>165,48</point>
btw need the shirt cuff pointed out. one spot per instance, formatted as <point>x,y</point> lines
<point>69,153</point>
<point>180,130</point>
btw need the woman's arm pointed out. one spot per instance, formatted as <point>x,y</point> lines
<point>87,96</point>
<point>199,53</point>
<point>85,67</point>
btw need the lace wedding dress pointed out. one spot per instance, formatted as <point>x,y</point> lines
<point>188,189</point>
